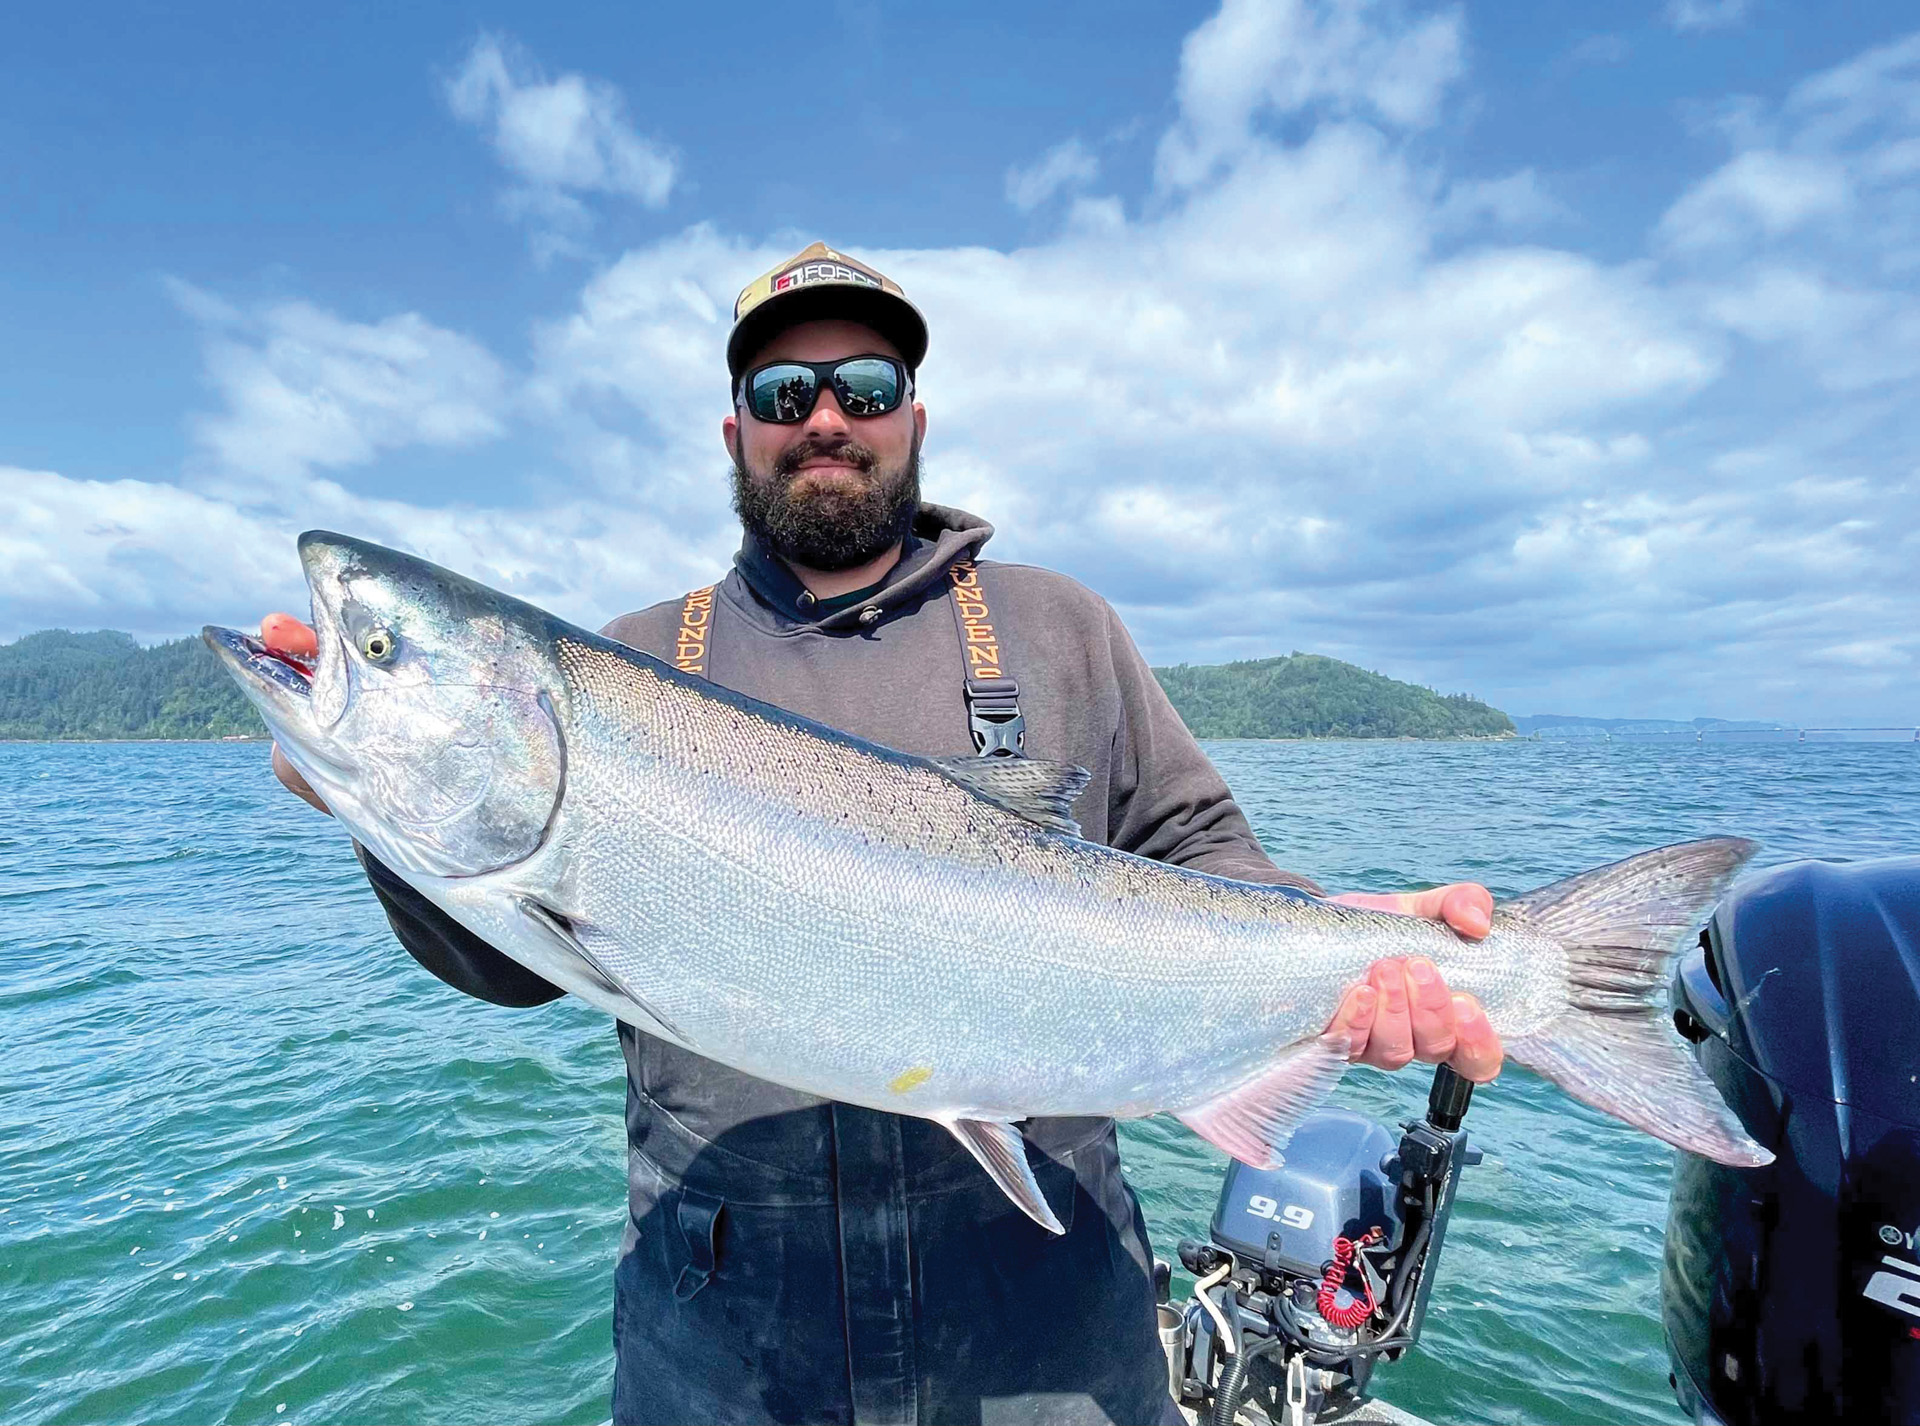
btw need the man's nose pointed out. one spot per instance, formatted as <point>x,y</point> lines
<point>827,420</point>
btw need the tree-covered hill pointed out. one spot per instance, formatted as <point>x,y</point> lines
<point>56,684</point>
<point>1311,696</point>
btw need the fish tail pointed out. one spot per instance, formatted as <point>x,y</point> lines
<point>1614,1046</point>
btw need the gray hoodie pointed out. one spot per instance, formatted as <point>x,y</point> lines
<point>895,678</point>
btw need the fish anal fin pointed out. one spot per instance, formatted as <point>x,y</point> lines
<point>1003,1154</point>
<point>1254,1122</point>
<point>1033,788</point>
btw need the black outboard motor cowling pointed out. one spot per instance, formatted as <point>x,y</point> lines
<point>1793,1291</point>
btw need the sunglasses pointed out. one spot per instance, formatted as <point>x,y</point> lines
<point>784,392</point>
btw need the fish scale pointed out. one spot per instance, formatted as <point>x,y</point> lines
<point>928,936</point>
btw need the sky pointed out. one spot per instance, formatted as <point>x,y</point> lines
<point>1561,355</point>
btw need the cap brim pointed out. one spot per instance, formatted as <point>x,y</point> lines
<point>892,316</point>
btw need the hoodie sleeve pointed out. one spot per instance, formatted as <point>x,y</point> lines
<point>1168,801</point>
<point>450,950</point>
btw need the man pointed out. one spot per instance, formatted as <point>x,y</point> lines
<point>789,1259</point>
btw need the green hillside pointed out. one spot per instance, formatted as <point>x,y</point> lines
<point>1310,696</point>
<point>56,684</point>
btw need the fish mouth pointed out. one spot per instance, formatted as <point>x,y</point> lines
<point>261,670</point>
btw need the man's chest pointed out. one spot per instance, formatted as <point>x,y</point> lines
<point>902,684</point>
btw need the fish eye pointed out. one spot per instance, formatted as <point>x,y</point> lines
<point>378,644</point>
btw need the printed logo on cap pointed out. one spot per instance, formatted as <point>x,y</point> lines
<point>820,266</point>
<point>808,272</point>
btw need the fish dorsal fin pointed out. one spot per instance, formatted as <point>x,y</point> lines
<point>1033,788</point>
<point>1254,1122</point>
<point>1003,1154</point>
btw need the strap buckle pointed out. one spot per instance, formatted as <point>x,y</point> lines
<point>994,719</point>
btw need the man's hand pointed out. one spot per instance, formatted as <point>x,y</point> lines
<point>1404,1011</point>
<point>285,634</point>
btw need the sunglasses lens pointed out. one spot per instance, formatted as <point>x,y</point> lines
<point>867,386</point>
<point>785,391</point>
<point>782,392</point>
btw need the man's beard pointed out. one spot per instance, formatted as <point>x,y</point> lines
<point>828,528</point>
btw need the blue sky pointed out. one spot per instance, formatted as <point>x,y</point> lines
<point>1496,347</point>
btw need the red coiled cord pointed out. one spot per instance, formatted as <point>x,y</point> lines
<point>1335,1278</point>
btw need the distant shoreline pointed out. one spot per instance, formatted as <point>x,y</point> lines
<point>1381,738</point>
<point>1302,738</point>
<point>48,742</point>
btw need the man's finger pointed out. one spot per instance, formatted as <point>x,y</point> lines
<point>1465,906</point>
<point>1390,1041</point>
<point>1468,908</point>
<point>285,634</point>
<point>1354,1019</point>
<point>1477,1052</point>
<point>1429,1011</point>
<point>1401,902</point>
<point>291,779</point>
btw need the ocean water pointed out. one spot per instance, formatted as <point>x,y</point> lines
<point>255,1165</point>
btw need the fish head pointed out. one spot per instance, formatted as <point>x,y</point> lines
<point>428,719</point>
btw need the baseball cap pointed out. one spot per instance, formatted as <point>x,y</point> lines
<point>821,283</point>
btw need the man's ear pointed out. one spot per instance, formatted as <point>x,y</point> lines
<point>919,423</point>
<point>730,435</point>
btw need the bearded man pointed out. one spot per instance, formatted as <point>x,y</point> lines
<point>791,1259</point>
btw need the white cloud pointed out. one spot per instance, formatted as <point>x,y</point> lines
<point>1706,14</point>
<point>1284,398</point>
<point>1856,337</point>
<point>1283,57</point>
<point>560,138</point>
<point>1064,166</point>
<point>1283,408</point>
<point>304,390</point>
<point>143,556</point>
<point>159,561</point>
<point>1879,87</point>
<point>1758,192</point>
<point>1806,241</point>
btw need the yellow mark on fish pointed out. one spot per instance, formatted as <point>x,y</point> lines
<point>911,1079</point>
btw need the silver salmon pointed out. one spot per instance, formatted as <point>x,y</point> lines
<point>927,936</point>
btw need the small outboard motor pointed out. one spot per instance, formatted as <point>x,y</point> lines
<point>1792,1292</point>
<point>1316,1270</point>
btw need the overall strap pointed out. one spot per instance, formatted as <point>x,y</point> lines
<point>993,697</point>
<point>696,620</point>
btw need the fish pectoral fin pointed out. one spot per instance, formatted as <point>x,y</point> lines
<point>1254,1122</point>
<point>1033,788</point>
<point>1003,1154</point>
<point>558,929</point>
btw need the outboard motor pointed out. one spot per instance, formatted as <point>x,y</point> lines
<point>1792,1292</point>
<point>1317,1270</point>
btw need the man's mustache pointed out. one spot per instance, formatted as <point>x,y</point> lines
<point>851,453</point>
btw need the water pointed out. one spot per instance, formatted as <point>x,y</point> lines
<point>255,1165</point>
